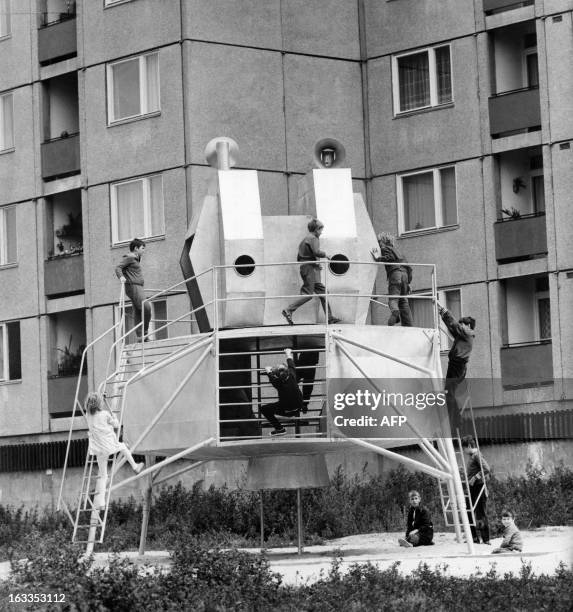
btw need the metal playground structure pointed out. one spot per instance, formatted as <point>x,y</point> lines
<point>192,390</point>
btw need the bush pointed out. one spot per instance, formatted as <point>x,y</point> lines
<point>349,505</point>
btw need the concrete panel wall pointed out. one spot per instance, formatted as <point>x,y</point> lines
<point>323,99</point>
<point>562,164</point>
<point>425,138</point>
<point>161,259</point>
<point>19,284</point>
<point>16,51</point>
<point>396,26</point>
<point>124,29</point>
<point>238,93</point>
<point>139,146</point>
<point>22,400</point>
<point>559,46</point>
<point>17,169</point>
<point>321,27</point>
<point>249,23</point>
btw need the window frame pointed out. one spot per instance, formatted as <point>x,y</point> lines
<point>110,3</point>
<point>9,13</point>
<point>111,120</point>
<point>538,297</point>
<point>5,349</point>
<point>4,263</point>
<point>434,94</point>
<point>146,202</point>
<point>3,148</point>
<point>437,190</point>
<point>443,330</point>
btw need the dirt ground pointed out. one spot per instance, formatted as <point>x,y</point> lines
<point>544,549</point>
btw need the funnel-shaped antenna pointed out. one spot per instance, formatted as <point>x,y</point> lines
<point>329,153</point>
<point>222,153</point>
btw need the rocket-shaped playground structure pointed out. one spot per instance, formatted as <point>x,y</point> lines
<point>197,396</point>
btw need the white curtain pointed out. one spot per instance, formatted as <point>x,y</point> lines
<point>444,75</point>
<point>152,82</point>
<point>7,126</point>
<point>129,209</point>
<point>419,210</point>
<point>5,20</point>
<point>448,181</point>
<point>414,81</point>
<point>10,234</point>
<point>156,197</point>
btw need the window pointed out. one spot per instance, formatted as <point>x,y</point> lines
<point>8,250</point>
<point>537,184</point>
<point>423,313</point>
<point>10,357</point>
<point>133,87</point>
<point>422,79</point>
<point>6,122</point>
<point>5,18</point>
<point>427,199</point>
<point>137,209</point>
<point>543,316</point>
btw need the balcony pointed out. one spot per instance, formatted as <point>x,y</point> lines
<point>64,275</point>
<point>499,6</point>
<point>61,394</point>
<point>522,238</point>
<point>526,365</point>
<point>61,157</point>
<point>57,41</point>
<point>514,111</point>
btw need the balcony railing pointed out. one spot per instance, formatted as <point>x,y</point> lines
<point>515,110</point>
<point>499,6</point>
<point>57,40</point>
<point>527,364</point>
<point>61,394</point>
<point>64,275</point>
<point>61,156</point>
<point>520,238</point>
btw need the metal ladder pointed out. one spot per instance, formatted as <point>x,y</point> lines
<point>90,520</point>
<point>447,506</point>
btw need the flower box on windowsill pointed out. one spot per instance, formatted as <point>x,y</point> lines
<point>67,253</point>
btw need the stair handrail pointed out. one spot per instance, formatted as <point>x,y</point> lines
<point>77,402</point>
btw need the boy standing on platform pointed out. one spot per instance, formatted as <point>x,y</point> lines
<point>129,272</point>
<point>309,253</point>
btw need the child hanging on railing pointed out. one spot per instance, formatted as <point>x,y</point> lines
<point>283,379</point>
<point>103,442</point>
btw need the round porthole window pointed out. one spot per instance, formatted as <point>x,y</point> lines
<point>244,265</point>
<point>338,264</point>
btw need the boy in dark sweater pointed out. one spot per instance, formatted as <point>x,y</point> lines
<point>458,357</point>
<point>129,272</point>
<point>399,277</point>
<point>512,540</point>
<point>478,472</point>
<point>419,526</point>
<point>283,379</point>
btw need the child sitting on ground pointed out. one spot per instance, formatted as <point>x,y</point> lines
<point>103,443</point>
<point>419,527</point>
<point>283,379</point>
<point>512,540</point>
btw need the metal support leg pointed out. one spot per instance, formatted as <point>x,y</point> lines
<point>146,508</point>
<point>262,513</point>
<point>299,521</point>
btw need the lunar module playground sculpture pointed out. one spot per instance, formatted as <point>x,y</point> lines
<point>194,396</point>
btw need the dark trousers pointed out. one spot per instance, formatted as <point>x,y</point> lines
<point>480,513</point>
<point>400,308</point>
<point>424,537</point>
<point>455,376</point>
<point>270,410</point>
<point>311,286</point>
<point>136,294</point>
<point>306,371</point>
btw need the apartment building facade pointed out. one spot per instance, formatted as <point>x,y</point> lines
<point>451,113</point>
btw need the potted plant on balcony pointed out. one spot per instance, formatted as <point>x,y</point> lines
<point>70,361</point>
<point>512,213</point>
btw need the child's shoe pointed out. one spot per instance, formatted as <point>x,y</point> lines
<point>278,432</point>
<point>138,467</point>
<point>404,543</point>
